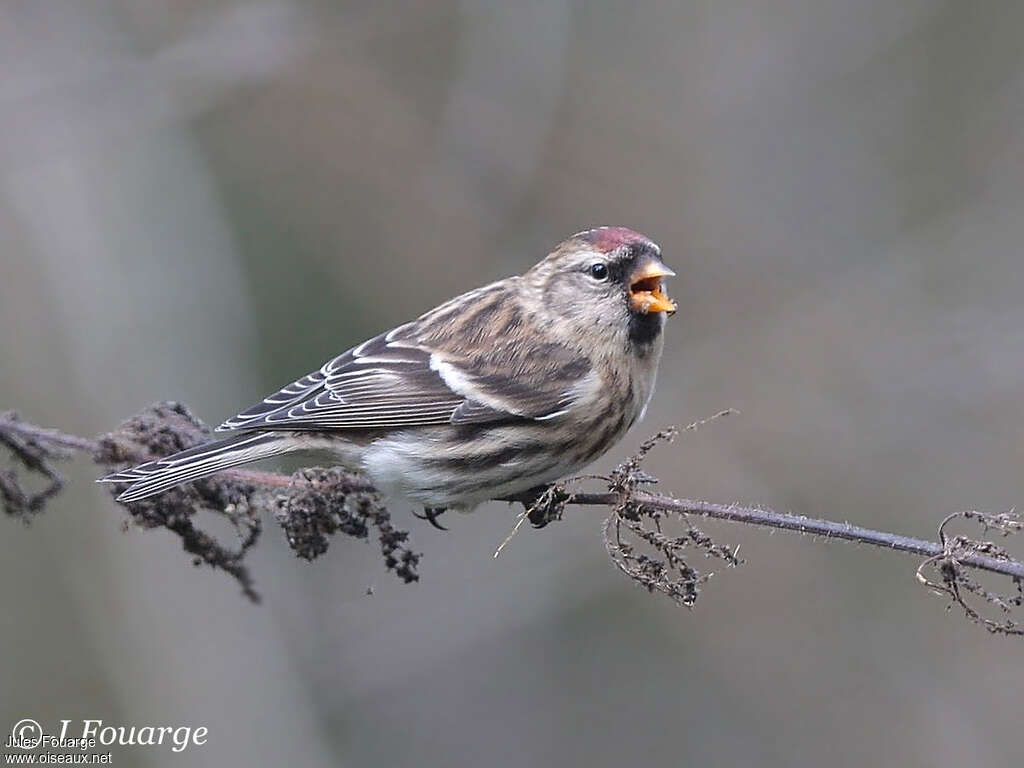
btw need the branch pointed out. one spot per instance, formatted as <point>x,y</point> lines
<point>313,504</point>
<point>310,506</point>
<point>828,529</point>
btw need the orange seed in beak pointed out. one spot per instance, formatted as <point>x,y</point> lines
<point>646,292</point>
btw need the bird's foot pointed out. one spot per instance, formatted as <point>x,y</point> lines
<point>544,502</point>
<point>430,514</point>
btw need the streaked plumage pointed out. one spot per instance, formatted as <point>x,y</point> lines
<point>497,391</point>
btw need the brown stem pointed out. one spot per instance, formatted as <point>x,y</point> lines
<point>770,519</point>
<point>86,445</point>
<point>748,515</point>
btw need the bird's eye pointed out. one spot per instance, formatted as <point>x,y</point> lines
<point>599,271</point>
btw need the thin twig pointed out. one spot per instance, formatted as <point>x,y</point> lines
<point>313,504</point>
<point>88,445</point>
<point>10,423</point>
<point>826,528</point>
<point>759,516</point>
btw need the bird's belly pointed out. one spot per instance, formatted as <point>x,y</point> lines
<point>456,467</point>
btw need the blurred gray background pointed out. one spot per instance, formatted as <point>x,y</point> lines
<point>202,200</point>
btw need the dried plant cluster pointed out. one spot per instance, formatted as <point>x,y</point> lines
<point>638,539</point>
<point>956,581</point>
<point>310,506</point>
<point>322,502</point>
<point>650,537</point>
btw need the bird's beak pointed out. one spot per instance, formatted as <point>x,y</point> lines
<point>646,291</point>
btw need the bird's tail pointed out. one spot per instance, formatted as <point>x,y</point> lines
<point>195,463</point>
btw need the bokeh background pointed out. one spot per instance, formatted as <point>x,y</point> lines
<point>203,199</point>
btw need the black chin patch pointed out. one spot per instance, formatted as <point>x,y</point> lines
<point>643,330</point>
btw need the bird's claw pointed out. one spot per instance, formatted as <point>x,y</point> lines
<point>430,514</point>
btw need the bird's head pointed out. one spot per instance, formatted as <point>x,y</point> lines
<point>609,277</point>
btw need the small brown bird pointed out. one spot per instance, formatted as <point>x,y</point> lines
<point>490,395</point>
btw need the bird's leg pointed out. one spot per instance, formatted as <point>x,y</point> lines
<point>545,503</point>
<point>431,514</point>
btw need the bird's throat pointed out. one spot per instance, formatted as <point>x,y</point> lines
<point>644,330</point>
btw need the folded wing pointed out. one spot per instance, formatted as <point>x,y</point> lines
<point>400,379</point>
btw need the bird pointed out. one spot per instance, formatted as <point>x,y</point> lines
<point>494,394</point>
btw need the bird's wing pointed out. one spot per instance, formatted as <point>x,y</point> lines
<point>402,379</point>
<point>302,389</point>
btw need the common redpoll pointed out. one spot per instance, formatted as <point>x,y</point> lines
<point>496,392</point>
